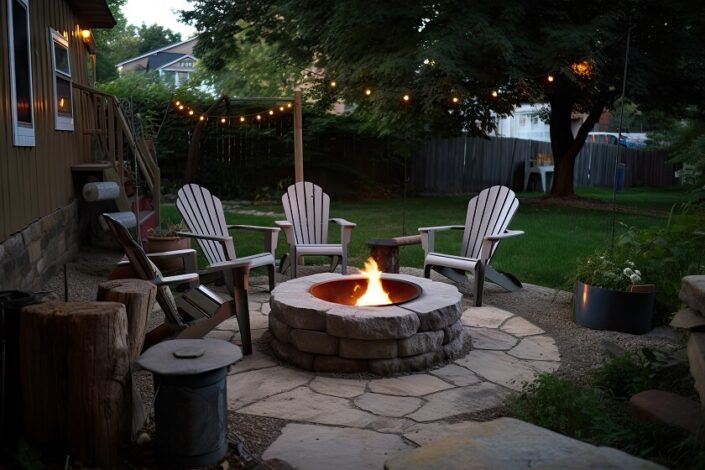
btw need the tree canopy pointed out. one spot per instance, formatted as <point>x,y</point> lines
<point>460,63</point>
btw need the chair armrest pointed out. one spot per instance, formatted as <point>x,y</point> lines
<point>342,222</point>
<point>188,255</point>
<point>215,238</point>
<point>489,241</point>
<point>225,265</point>
<point>271,235</point>
<point>188,278</point>
<point>506,234</point>
<point>428,235</point>
<point>288,229</point>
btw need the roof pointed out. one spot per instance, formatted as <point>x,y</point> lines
<point>160,59</point>
<point>182,57</point>
<point>93,13</point>
<point>161,49</point>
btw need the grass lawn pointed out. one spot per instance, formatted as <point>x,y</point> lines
<point>555,236</point>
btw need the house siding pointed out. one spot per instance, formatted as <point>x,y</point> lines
<point>36,181</point>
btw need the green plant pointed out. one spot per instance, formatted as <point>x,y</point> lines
<point>167,229</point>
<point>560,405</point>
<point>609,272</point>
<point>628,374</point>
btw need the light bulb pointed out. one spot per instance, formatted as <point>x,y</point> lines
<point>259,117</point>
<point>288,105</point>
<point>281,108</point>
<point>368,92</point>
<point>495,94</point>
<point>178,103</point>
<point>405,97</point>
<point>242,118</point>
<point>455,99</point>
<point>333,84</point>
<point>201,118</point>
<point>190,113</point>
<point>550,78</point>
<point>271,112</point>
<point>222,120</point>
<point>181,107</point>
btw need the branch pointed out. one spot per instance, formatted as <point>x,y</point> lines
<point>586,127</point>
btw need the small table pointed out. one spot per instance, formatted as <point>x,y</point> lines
<point>190,404</point>
<point>385,251</point>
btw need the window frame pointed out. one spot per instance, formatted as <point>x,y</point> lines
<point>23,133</point>
<point>61,122</point>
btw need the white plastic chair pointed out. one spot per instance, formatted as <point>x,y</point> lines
<point>488,215</point>
<point>306,207</point>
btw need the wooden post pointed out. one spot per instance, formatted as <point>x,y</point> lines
<point>76,384</point>
<point>138,298</point>
<point>298,139</point>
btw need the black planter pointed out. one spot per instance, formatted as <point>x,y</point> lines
<point>606,309</point>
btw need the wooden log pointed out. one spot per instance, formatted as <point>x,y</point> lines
<point>76,379</point>
<point>138,297</point>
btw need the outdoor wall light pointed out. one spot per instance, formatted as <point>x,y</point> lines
<point>86,35</point>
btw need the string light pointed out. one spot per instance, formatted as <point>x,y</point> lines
<point>223,120</point>
<point>178,103</point>
<point>368,92</point>
<point>495,93</point>
<point>190,112</point>
<point>281,108</point>
<point>455,99</point>
<point>259,118</point>
<point>288,105</point>
<point>271,112</point>
<point>242,118</point>
<point>405,97</point>
<point>550,78</point>
<point>202,118</point>
<point>333,84</point>
<point>181,107</point>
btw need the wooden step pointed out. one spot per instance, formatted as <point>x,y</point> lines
<point>668,408</point>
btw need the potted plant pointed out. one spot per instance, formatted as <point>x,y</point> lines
<point>163,239</point>
<point>609,295</point>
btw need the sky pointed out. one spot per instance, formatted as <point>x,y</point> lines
<point>161,12</point>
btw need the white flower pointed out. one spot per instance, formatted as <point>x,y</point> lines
<point>635,278</point>
<point>637,272</point>
<point>628,272</point>
<point>629,263</point>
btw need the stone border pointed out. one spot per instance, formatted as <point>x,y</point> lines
<point>314,334</point>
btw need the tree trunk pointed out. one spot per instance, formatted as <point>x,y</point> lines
<point>138,298</point>
<point>76,379</point>
<point>195,145</point>
<point>564,145</point>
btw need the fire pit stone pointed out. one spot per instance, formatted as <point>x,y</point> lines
<point>315,334</point>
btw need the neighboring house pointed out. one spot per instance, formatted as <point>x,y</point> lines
<point>56,132</point>
<point>525,123</point>
<point>174,63</point>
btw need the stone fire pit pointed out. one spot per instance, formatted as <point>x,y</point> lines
<point>323,336</point>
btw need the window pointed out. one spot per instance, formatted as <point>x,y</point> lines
<point>20,73</point>
<point>63,96</point>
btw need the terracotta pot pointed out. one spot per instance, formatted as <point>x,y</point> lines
<point>159,244</point>
<point>607,309</point>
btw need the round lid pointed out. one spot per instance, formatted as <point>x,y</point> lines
<point>189,356</point>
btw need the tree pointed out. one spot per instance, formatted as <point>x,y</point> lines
<point>154,36</point>
<point>489,56</point>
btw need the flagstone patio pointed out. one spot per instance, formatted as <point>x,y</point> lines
<point>365,419</point>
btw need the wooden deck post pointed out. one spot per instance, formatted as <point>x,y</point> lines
<point>298,139</point>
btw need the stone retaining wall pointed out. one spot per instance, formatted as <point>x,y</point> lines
<point>30,257</point>
<point>322,336</point>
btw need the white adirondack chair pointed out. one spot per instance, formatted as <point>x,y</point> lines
<point>204,216</point>
<point>488,215</point>
<point>306,207</point>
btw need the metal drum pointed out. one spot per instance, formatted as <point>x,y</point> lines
<point>190,399</point>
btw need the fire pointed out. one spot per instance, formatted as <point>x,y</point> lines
<point>375,294</point>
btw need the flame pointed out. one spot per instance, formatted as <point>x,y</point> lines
<point>375,294</point>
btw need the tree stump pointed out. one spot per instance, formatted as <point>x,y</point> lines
<point>76,383</point>
<point>138,297</point>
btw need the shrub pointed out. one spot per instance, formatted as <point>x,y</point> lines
<point>628,374</point>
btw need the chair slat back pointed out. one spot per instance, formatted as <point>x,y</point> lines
<point>144,268</point>
<point>307,207</point>
<point>204,215</point>
<point>489,213</point>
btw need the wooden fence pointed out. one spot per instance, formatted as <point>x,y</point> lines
<point>463,165</point>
